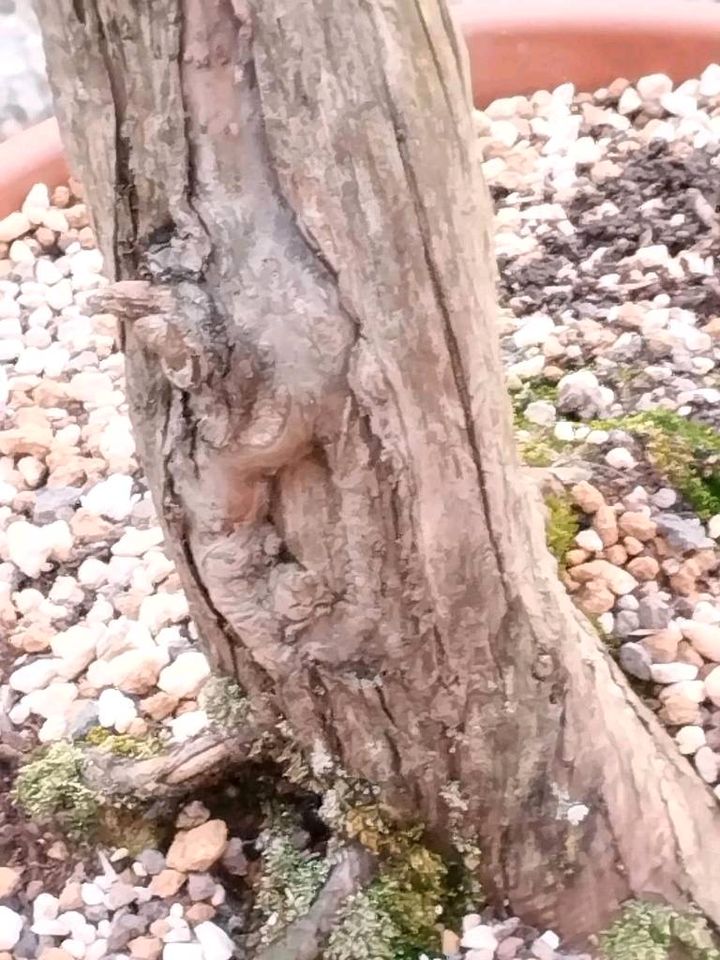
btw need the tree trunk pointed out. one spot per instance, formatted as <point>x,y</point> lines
<point>316,387</point>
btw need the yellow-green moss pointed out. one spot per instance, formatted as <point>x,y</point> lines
<point>51,787</point>
<point>536,389</point>
<point>395,917</point>
<point>684,452</point>
<point>123,745</point>
<point>650,931</point>
<point>562,525</point>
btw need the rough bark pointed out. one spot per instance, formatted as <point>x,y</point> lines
<point>317,392</point>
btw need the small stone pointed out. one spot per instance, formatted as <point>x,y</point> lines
<point>167,883</point>
<point>617,579</point>
<point>689,739</point>
<point>120,895</point>
<point>480,937</point>
<point>690,689</point>
<point>509,948</point>
<point>595,598</point>
<point>635,660</point>
<point>14,225</point>
<point>234,859</point>
<point>541,412</point>
<point>630,101</point>
<point>683,534</point>
<point>605,524</point>
<point>679,711</point>
<point>710,81</point>
<point>664,498</point>
<point>712,686</point>
<point>644,569</point>
<point>152,861</point>
<point>34,676</point>
<point>673,672</point>
<point>193,814</point>
<point>637,525</point>
<point>145,948</point>
<point>185,676</point>
<point>9,882</point>
<point>587,497</point>
<point>216,944</point>
<point>125,927</point>
<point>183,951</point>
<point>620,459</point>
<point>663,646</point>
<point>654,612</point>
<point>115,710</point>
<point>589,540</point>
<point>704,637</point>
<point>111,498</point>
<point>197,912</point>
<point>707,763</point>
<point>198,849</point>
<point>201,886</point>
<point>653,86</point>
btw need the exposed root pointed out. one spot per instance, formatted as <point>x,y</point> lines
<point>304,938</point>
<point>174,773</point>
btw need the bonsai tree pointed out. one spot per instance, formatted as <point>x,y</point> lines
<point>289,202</point>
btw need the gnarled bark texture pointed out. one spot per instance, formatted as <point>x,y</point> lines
<point>317,393</point>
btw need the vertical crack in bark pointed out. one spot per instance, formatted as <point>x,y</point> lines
<point>434,275</point>
<point>125,193</point>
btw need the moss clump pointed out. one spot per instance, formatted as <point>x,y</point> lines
<point>123,745</point>
<point>532,390</point>
<point>562,525</point>
<point>650,931</point>
<point>686,453</point>
<point>395,917</point>
<point>51,787</point>
<point>290,881</point>
<point>128,827</point>
<point>224,702</point>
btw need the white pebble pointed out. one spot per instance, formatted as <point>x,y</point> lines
<point>673,672</point>
<point>115,710</point>
<point>216,944</point>
<point>620,458</point>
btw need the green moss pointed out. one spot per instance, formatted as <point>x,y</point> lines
<point>540,450</point>
<point>532,390</point>
<point>395,917</point>
<point>51,787</point>
<point>562,525</point>
<point>289,883</point>
<point>224,701</point>
<point>685,453</point>
<point>123,745</point>
<point>649,931</point>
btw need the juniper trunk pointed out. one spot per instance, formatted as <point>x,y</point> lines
<point>317,393</point>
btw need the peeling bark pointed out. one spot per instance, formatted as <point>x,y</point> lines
<point>317,393</point>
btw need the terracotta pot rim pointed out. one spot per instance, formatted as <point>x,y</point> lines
<point>516,47</point>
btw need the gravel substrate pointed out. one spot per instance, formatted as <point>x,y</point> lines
<point>607,233</point>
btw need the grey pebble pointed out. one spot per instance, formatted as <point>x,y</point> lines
<point>635,660</point>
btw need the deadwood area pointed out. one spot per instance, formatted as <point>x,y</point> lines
<point>287,193</point>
